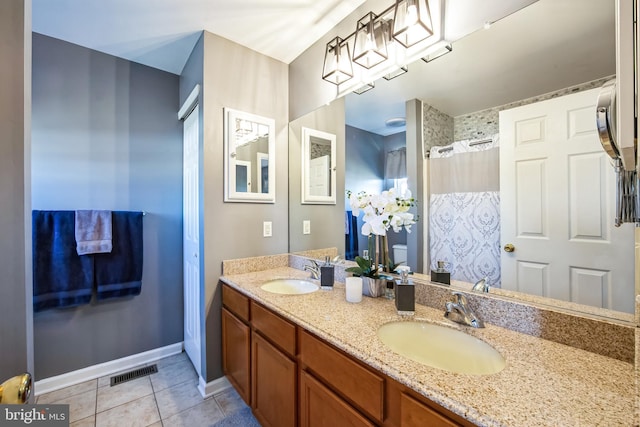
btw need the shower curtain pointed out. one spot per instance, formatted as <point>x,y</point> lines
<point>464,213</point>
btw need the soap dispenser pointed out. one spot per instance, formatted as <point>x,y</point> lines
<point>441,275</point>
<point>405,293</point>
<point>326,274</point>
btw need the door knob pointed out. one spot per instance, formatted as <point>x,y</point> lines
<point>509,247</point>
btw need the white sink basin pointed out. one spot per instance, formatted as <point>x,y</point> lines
<point>290,286</point>
<point>441,347</point>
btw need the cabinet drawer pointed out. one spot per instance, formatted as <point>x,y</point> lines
<point>354,382</point>
<point>280,331</point>
<point>237,303</point>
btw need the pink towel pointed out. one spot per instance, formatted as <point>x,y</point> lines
<point>93,232</point>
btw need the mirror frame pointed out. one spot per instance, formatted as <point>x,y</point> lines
<point>230,193</point>
<point>307,197</point>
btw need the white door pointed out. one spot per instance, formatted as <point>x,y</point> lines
<point>319,176</point>
<point>191,238</point>
<point>557,190</point>
<point>243,176</point>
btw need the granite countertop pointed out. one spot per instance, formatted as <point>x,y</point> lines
<point>543,384</point>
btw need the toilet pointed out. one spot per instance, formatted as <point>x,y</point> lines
<point>400,254</point>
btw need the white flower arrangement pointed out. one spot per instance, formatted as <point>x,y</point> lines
<point>383,211</point>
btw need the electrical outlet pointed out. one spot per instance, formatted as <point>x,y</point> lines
<point>266,229</point>
<point>306,227</point>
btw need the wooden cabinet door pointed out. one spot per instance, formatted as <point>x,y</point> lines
<point>273,377</point>
<point>416,414</point>
<point>320,407</point>
<point>236,351</point>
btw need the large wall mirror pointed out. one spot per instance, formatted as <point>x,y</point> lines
<point>541,52</point>
<point>249,153</point>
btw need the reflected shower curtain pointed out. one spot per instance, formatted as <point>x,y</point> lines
<point>464,213</point>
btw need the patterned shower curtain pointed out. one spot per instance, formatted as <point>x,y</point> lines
<point>464,214</point>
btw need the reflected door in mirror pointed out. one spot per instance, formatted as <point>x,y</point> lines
<point>318,167</point>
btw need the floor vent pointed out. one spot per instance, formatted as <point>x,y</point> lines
<point>132,375</point>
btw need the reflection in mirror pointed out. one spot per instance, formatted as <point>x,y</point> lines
<point>249,154</point>
<point>318,167</point>
<point>511,65</point>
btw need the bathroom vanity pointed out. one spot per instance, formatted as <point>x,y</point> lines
<point>314,360</point>
<point>265,355</point>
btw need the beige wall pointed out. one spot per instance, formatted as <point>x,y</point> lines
<point>239,78</point>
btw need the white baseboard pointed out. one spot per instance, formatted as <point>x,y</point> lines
<point>213,387</point>
<point>47,385</point>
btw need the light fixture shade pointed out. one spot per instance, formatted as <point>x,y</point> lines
<point>396,52</point>
<point>364,88</point>
<point>412,22</point>
<point>337,62</point>
<point>370,45</point>
<point>443,50</point>
<point>396,73</point>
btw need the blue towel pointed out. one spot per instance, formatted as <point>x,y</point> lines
<point>119,273</point>
<point>61,278</point>
<point>351,238</point>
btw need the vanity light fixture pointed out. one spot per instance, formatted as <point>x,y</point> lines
<point>412,22</point>
<point>337,62</point>
<point>370,46</point>
<point>384,43</point>
<point>395,50</point>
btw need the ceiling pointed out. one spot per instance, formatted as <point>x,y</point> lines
<point>486,67</point>
<point>162,33</point>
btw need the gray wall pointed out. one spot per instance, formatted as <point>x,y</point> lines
<point>365,151</point>
<point>394,142</point>
<point>106,136</point>
<point>327,221</point>
<point>15,228</point>
<point>242,79</point>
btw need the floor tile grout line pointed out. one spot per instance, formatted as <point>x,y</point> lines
<point>157,409</point>
<point>95,408</point>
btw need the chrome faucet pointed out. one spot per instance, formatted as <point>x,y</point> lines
<point>314,269</point>
<point>460,312</point>
<point>481,286</point>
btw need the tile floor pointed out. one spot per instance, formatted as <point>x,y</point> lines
<point>168,398</point>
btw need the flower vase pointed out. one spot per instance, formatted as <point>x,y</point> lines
<point>379,252</point>
<point>373,287</point>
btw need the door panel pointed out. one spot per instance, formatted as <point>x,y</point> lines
<point>191,238</point>
<point>557,191</point>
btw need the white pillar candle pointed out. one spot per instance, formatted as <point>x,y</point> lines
<point>354,289</point>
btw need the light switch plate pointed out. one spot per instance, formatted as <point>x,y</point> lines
<point>266,229</point>
<point>306,226</point>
